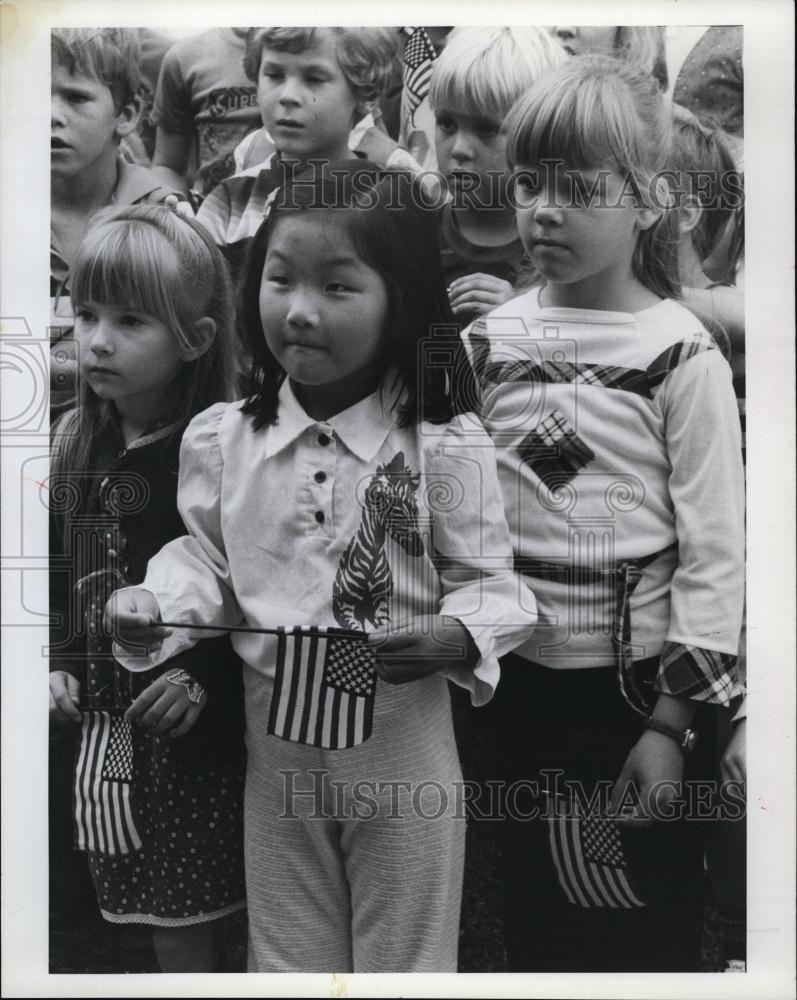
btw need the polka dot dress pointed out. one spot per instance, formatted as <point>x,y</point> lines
<point>190,868</point>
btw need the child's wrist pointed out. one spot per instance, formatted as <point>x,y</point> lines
<point>471,653</point>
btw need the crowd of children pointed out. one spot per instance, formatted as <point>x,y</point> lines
<point>463,455</point>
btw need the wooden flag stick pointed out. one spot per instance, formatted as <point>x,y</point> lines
<point>341,633</point>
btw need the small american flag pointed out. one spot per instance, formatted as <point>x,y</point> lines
<point>591,867</point>
<point>418,61</point>
<point>103,816</point>
<point>324,689</point>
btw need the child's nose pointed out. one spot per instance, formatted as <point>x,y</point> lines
<point>565,33</point>
<point>462,149</point>
<point>102,338</point>
<point>56,111</point>
<point>290,92</point>
<point>302,310</point>
<point>547,211</point>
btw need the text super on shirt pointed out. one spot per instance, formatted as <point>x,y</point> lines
<point>203,91</point>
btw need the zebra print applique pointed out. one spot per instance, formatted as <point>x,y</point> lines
<point>364,584</point>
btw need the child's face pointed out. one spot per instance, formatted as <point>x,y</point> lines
<point>471,154</point>
<point>580,40</point>
<point>84,124</point>
<point>306,102</point>
<point>126,355</point>
<point>324,310</point>
<point>573,240</point>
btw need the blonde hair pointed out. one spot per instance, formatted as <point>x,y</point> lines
<point>598,112</point>
<point>482,71</point>
<point>110,55</point>
<point>148,258</point>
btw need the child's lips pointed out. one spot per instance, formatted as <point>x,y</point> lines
<point>56,143</point>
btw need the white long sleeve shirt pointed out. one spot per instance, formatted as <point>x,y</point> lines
<point>347,522</point>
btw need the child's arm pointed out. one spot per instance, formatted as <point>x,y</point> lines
<point>723,306</point>
<point>472,555</point>
<point>706,489</point>
<point>733,766</point>
<point>189,579</point>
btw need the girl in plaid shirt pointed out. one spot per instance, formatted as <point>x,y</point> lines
<point>618,446</point>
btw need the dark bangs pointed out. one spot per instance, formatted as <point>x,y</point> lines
<point>394,232</point>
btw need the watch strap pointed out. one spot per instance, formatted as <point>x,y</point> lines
<point>685,738</point>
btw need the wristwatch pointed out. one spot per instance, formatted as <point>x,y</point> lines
<point>685,738</point>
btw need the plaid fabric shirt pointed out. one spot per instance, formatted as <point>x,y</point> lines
<point>617,438</point>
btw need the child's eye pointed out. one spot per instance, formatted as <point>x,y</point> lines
<point>271,74</point>
<point>277,279</point>
<point>76,98</point>
<point>527,183</point>
<point>489,130</point>
<point>446,125</point>
<point>314,78</point>
<point>84,315</point>
<point>338,286</point>
<point>128,319</point>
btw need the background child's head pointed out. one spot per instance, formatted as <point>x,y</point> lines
<point>148,259</point>
<point>476,80</point>
<point>642,44</point>
<point>597,113</point>
<point>708,182</point>
<point>95,95</point>
<point>352,65</point>
<point>378,216</point>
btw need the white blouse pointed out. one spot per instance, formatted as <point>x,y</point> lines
<point>349,522</point>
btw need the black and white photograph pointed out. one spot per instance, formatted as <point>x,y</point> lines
<point>389,565</point>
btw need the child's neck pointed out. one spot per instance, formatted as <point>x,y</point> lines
<point>298,165</point>
<point>88,190</point>
<point>324,401</point>
<point>486,227</point>
<point>139,414</point>
<point>690,267</point>
<point>601,293</point>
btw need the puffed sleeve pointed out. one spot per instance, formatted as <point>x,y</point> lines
<point>707,490</point>
<point>473,553</point>
<point>190,576</point>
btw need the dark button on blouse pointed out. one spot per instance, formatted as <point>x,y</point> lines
<point>320,477</point>
<point>323,440</point>
<point>319,516</point>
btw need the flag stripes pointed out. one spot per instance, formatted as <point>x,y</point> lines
<point>324,689</point>
<point>102,810</point>
<point>589,862</point>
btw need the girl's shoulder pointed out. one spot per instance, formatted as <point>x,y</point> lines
<point>464,431</point>
<point>213,427</point>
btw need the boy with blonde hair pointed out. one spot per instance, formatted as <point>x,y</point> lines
<point>476,79</point>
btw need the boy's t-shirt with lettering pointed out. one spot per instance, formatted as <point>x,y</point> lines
<point>203,90</point>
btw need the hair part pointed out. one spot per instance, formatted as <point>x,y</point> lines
<point>150,259</point>
<point>110,55</point>
<point>483,71</point>
<point>392,232</point>
<point>367,56</point>
<point>598,112</point>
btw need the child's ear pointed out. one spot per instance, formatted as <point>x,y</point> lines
<point>647,217</point>
<point>205,330</point>
<point>127,119</point>
<point>364,107</point>
<point>690,212</point>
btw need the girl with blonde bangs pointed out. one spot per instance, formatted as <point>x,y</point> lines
<point>623,484</point>
<point>597,114</point>
<point>158,780</point>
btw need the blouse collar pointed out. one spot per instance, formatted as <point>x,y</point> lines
<point>362,427</point>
